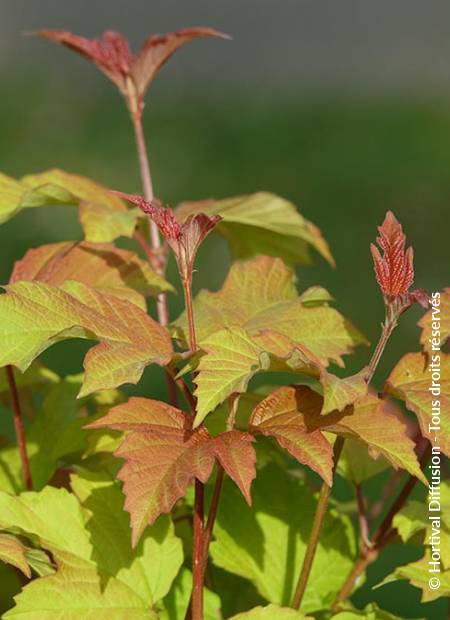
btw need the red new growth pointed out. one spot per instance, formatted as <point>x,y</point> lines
<point>394,269</point>
<point>132,73</point>
<point>183,238</point>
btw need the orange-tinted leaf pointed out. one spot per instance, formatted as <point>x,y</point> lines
<point>370,420</point>
<point>162,457</point>
<point>282,415</point>
<point>236,454</point>
<point>102,266</point>
<point>411,381</point>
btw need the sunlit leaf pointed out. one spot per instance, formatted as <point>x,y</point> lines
<point>263,223</point>
<point>418,574</point>
<point>266,543</point>
<point>104,217</point>
<point>33,316</point>
<point>13,552</point>
<point>269,613</point>
<point>103,266</point>
<point>411,381</point>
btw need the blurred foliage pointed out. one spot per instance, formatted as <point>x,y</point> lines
<point>343,162</point>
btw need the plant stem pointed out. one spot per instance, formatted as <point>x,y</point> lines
<point>384,533</point>
<point>20,431</point>
<point>198,558</point>
<point>314,536</point>
<point>158,265</point>
<point>325,491</point>
<point>362,514</point>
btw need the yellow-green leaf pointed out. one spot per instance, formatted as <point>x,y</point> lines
<point>263,223</point>
<point>411,381</point>
<point>13,552</point>
<point>33,316</point>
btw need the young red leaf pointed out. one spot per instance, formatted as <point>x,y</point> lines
<point>162,457</point>
<point>131,73</point>
<point>236,454</point>
<point>394,269</point>
<point>183,238</point>
<point>282,415</point>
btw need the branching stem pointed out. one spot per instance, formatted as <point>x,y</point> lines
<point>20,430</point>
<point>325,491</point>
<point>382,536</point>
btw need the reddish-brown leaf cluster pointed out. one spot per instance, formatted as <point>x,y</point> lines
<point>183,238</point>
<point>394,268</point>
<point>111,53</point>
<point>163,455</point>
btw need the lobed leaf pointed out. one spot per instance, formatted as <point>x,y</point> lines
<point>33,316</point>
<point>104,217</point>
<point>263,223</point>
<point>298,409</point>
<point>98,575</point>
<point>162,457</point>
<point>411,381</point>
<point>232,358</point>
<point>102,266</point>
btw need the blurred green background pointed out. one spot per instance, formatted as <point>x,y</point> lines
<point>343,155</point>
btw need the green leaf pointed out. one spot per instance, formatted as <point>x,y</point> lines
<point>410,381</point>
<point>270,612</point>
<point>418,574</point>
<point>104,217</point>
<point>175,604</point>
<point>233,357</point>
<point>103,223</point>
<point>260,294</point>
<point>75,592</point>
<point>151,568</point>
<point>357,465</point>
<point>98,575</point>
<point>370,612</point>
<point>33,316</point>
<point>266,544</point>
<point>263,223</point>
<point>102,266</point>
<point>13,552</point>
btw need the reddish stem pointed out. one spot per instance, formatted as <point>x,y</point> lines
<point>20,431</point>
<point>154,252</point>
<point>198,562</point>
